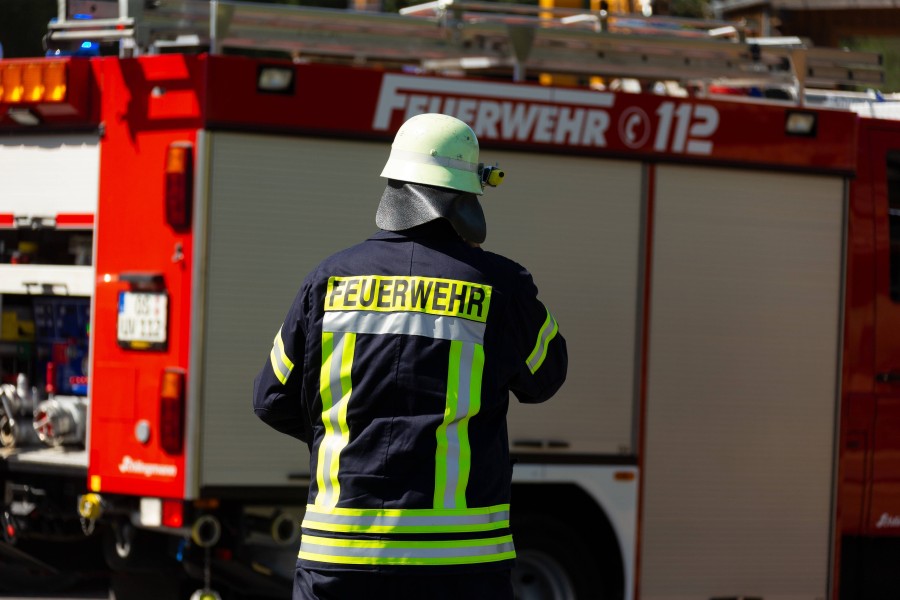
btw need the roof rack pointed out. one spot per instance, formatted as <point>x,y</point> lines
<point>494,38</point>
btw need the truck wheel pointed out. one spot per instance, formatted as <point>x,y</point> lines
<point>554,563</point>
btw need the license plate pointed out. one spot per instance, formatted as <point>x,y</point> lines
<point>143,320</point>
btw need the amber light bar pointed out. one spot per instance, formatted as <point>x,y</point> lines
<point>28,82</point>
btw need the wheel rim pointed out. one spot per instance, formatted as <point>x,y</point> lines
<point>539,576</point>
<point>124,538</point>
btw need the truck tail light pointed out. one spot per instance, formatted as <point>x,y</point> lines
<point>179,185</point>
<point>171,411</point>
<point>50,386</point>
<point>172,513</point>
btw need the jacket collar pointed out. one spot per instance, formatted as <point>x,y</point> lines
<point>439,229</point>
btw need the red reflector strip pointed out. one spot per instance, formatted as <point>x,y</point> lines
<point>75,221</point>
<point>62,220</point>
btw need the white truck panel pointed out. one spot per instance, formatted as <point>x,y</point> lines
<point>66,280</point>
<point>575,223</point>
<point>278,205</point>
<point>44,175</point>
<point>742,385</point>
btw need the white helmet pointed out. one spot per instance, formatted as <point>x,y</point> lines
<point>438,150</point>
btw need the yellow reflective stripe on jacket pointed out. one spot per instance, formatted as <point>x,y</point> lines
<point>391,552</point>
<point>334,382</point>
<point>281,364</point>
<point>453,458</point>
<point>406,520</point>
<point>548,332</point>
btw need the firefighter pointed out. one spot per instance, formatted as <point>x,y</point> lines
<point>394,364</point>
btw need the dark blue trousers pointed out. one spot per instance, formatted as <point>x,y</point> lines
<point>372,585</point>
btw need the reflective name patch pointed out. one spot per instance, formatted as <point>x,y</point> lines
<point>448,297</point>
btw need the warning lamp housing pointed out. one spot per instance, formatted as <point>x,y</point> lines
<point>52,91</point>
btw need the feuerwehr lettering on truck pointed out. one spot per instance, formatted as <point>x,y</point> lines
<point>501,111</point>
<point>554,116</point>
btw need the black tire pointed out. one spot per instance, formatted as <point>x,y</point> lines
<point>554,562</point>
<point>145,586</point>
<point>131,550</point>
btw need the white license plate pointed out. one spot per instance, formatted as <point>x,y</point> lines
<point>143,319</point>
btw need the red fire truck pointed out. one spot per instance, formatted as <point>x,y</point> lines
<point>725,268</point>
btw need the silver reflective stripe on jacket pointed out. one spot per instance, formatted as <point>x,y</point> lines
<point>405,323</point>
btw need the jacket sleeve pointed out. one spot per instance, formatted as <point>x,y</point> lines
<point>277,389</point>
<point>541,349</point>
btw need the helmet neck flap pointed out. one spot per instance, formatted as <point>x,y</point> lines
<point>404,205</point>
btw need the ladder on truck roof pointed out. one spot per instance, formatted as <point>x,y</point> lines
<point>488,37</point>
